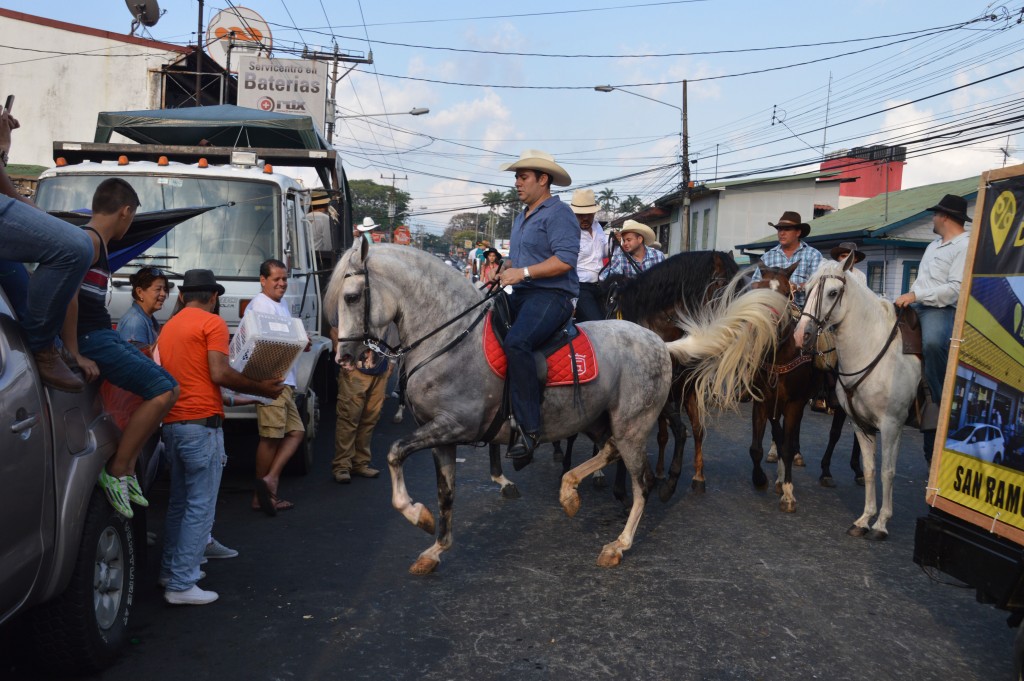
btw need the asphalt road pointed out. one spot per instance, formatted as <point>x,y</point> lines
<point>720,585</point>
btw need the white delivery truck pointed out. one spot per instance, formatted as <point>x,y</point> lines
<point>243,165</point>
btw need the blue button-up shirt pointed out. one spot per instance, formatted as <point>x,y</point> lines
<point>620,265</point>
<point>809,258</point>
<point>551,229</point>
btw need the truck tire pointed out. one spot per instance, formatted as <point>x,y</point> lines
<point>84,628</point>
<point>308,405</point>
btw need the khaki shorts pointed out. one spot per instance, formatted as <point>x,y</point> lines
<point>279,417</point>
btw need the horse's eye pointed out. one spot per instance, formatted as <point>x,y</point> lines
<point>351,298</point>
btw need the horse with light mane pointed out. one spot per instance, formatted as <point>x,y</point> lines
<point>877,382</point>
<point>454,396</point>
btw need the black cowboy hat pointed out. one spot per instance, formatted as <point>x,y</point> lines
<point>954,206</point>
<point>791,220</point>
<point>847,247</point>
<point>495,251</point>
<point>201,280</point>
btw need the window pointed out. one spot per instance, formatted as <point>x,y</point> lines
<point>876,277</point>
<point>909,274</point>
<point>704,243</point>
<point>693,228</point>
<point>664,232</point>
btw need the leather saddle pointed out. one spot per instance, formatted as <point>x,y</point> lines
<point>501,321</point>
<point>910,330</point>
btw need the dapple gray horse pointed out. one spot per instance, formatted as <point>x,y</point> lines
<point>877,382</point>
<point>454,396</point>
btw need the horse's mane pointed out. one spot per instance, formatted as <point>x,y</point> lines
<point>681,280</point>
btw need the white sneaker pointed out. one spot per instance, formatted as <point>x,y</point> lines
<point>217,550</point>
<point>193,596</point>
<point>164,580</point>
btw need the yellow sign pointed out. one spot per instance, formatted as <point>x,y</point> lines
<point>993,490</point>
<point>1001,219</point>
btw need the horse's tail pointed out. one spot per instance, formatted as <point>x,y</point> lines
<point>727,343</point>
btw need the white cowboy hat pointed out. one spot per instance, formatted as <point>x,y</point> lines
<point>368,225</point>
<point>583,202</point>
<point>639,228</point>
<point>533,159</point>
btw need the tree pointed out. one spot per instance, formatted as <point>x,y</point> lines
<point>370,199</point>
<point>631,204</point>
<point>609,200</point>
<point>503,208</point>
<point>466,222</point>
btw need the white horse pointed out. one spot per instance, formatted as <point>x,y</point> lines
<point>877,382</point>
<point>454,396</point>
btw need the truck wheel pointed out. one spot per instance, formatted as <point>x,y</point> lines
<point>309,411</point>
<point>84,628</point>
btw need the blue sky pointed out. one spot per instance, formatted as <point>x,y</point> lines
<point>451,155</point>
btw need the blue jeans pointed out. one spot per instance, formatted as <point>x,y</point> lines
<point>124,365</point>
<point>936,330</point>
<point>539,313</point>
<point>63,252</point>
<point>197,458</point>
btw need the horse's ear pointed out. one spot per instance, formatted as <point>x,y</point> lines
<point>849,262</point>
<point>364,248</point>
<point>791,269</point>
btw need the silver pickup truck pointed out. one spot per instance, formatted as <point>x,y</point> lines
<point>68,563</point>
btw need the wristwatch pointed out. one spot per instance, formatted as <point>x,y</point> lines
<point>526,274</point>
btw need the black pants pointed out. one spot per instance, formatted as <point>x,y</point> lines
<point>590,305</point>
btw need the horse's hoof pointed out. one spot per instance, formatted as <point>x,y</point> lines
<point>426,521</point>
<point>397,418</point>
<point>760,480</point>
<point>599,482</point>
<point>570,503</point>
<point>510,491</point>
<point>798,459</point>
<point>827,481</point>
<point>860,480</point>
<point>778,488</point>
<point>857,531</point>
<point>698,486</point>
<point>423,566</point>
<point>787,505</point>
<point>772,457</point>
<point>609,558</point>
<point>876,535</point>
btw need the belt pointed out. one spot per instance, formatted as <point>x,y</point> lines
<point>590,284</point>
<point>215,421</point>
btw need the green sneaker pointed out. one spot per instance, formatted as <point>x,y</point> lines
<point>135,492</point>
<point>116,490</point>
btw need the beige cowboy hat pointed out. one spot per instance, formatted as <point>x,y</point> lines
<point>533,159</point>
<point>368,225</point>
<point>639,228</point>
<point>583,202</point>
<point>791,220</point>
<point>319,198</point>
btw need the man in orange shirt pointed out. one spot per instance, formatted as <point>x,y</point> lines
<point>193,348</point>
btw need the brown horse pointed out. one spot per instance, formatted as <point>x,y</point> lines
<point>783,388</point>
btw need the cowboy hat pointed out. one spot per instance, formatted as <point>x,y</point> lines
<point>846,248</point>
<point>319,198</point>
<point>790,220</point>
<point>533,159</point>
<point>954,206</point>
<point>656,245</point>
<point>495,251</point>
<point>583,202</point>
<point>639,228</point>
<point>200,280</point>
<point>368,225</point>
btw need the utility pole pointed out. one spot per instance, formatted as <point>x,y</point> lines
<point>199,57</point>
<point>391,201</point>
<point>685,174</point>
<point>335,57</point>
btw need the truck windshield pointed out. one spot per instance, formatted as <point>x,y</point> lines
<point>231,240</point>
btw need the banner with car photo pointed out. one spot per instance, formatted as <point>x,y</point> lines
<point>978,467</point>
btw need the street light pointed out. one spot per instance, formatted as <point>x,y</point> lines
<point>418,111</point>
<point>684,170</point>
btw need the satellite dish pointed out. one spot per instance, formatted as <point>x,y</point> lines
<point>144,13</point>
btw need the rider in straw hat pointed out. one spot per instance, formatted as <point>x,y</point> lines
<point>545,246</point>
<point>791,249</point>
<point>634,256</point>
<point>593,251</point>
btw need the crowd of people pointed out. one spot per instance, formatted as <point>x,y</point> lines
<point>557,258</point>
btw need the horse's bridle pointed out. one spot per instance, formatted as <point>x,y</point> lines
<point>382,347</point>
<point>822,321</point>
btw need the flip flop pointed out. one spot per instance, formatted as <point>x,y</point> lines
<point>265,498</point>
<point>283,505</point>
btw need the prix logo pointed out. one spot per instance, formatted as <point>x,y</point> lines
<point>265,104</point>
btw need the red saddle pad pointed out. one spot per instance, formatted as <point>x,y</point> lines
<point>559,362</point>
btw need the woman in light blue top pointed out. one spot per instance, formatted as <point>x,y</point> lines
<point>150,288</point>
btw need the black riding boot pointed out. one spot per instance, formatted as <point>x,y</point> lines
<point>521,452</point>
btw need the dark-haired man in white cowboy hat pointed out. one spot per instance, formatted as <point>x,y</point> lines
<point>545,246</point>
<point>791,249</point>
<point>936,290</point>
<point>593,251</point>
<point>634,257</point>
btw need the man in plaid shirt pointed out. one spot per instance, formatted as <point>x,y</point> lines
<point>634,257</point>
<point>790,250</point>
